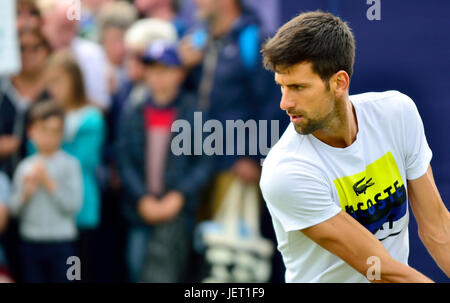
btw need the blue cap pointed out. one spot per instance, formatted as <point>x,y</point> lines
<point>162,52</point>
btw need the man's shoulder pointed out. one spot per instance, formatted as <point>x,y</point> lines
<point>391,101</point>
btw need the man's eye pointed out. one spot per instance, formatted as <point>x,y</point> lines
<point>298,87</point>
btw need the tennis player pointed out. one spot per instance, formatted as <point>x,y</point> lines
<point>339,180</point>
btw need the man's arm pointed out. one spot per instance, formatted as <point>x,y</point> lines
<point>433,218</point>
<point>346,238</point>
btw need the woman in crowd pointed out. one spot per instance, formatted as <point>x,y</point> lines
<point>17,93</point>
<point>28,15</point>
<point>83,138</point>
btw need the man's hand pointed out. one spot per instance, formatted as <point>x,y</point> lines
<point>153,211</point>
<point>189,55</point>
<point>247,170</point>
<point>148,208</point>
<point>172,204</point>
<point>8,145</point>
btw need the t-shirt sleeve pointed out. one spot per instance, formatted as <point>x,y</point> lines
<point>298,195</point>
<point>415,146</point>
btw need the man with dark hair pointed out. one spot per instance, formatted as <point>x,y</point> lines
<point>338,181</point>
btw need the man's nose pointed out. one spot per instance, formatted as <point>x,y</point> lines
<point>286,102</point>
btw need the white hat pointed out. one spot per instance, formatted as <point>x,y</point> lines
<point>143,32</point>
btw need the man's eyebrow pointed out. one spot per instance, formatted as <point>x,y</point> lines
<point>292,84</point>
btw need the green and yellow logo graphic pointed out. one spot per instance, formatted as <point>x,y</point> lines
<point>375,195</point>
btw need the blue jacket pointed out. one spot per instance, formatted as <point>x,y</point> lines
<point>185,173</point>
<point>242,89</point>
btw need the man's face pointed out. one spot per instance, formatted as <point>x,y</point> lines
<point>58,29</point>
<point>305,98</point>
<point>114,46</point>
<point>207,9</point>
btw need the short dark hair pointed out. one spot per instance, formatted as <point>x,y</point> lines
<point>317,37</point>
<point>44,110</point>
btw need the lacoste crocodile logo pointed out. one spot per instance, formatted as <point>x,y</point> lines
<point>359,189</point>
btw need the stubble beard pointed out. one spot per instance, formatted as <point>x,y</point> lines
<point>311,125</point>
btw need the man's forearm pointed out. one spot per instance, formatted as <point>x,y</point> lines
<point>438,245</point>
<point>397,272</point>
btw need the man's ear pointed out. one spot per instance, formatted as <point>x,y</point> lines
<point>341,83</point>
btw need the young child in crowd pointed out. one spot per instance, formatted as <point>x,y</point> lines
<point>46,196</point>
<point>161,188</point>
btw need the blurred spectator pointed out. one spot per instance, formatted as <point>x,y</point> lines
<point>61,34</point>
<point>132,91</point>
<point>161,188</point>
<point>88,27</point>
<point>166,10</point>
<point>233,86</point>
<point>114,19</point>
<point>269,12</point>
<point>17,93</point>
<point>47,194</point>
<point>28,15</point>
<point>83,138</point>
<point>5,277</point>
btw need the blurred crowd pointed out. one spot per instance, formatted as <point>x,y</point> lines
<point>86,165</point>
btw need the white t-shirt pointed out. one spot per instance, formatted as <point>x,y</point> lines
<point>305,182</point>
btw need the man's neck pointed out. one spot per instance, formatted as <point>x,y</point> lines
<point>223,23</point>
<point>343,128</point>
